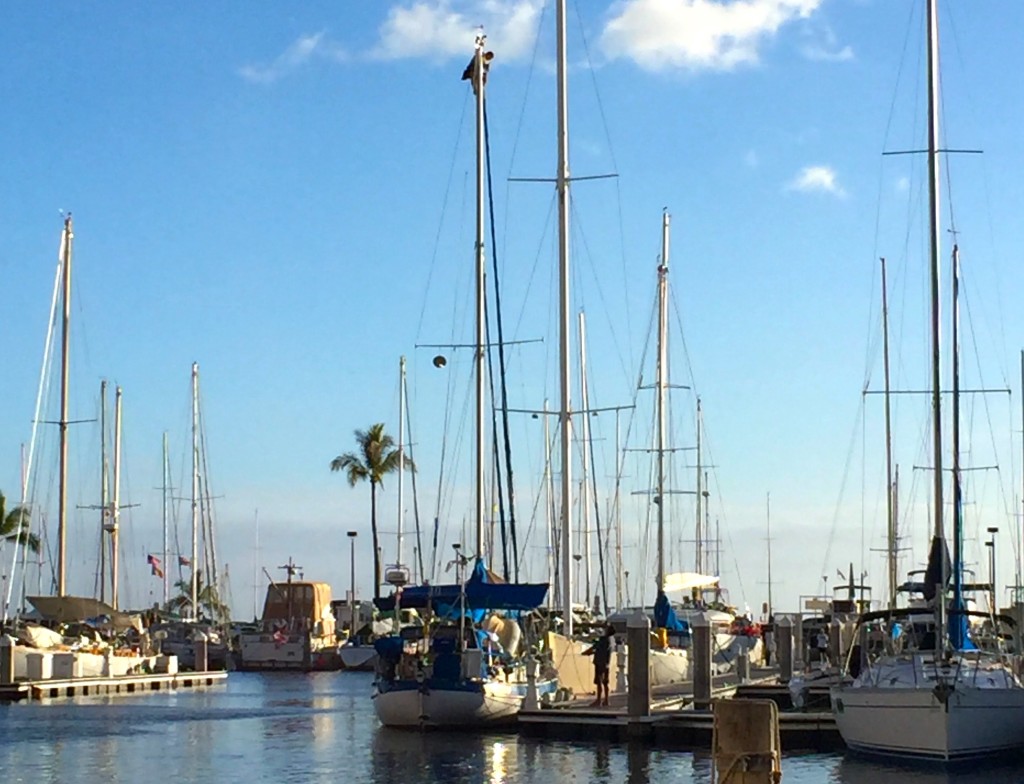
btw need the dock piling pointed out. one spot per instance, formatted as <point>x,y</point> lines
<point>784,641</point>
<point>702,641</point>
<point>202,659</point>
<point>743,667</point>
<point>7,644</point>
<point>638,638</point>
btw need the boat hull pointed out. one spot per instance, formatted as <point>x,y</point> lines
<point>358,657</point>
<point>260,652</point>
<point>413,705</point>
<point>915,723</point>
<point>669,665</point>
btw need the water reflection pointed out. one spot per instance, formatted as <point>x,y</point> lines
<point>855,770</point>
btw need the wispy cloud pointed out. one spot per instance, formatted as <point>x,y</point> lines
<point>299,53</point>
<point>751,159</point>
<point>902,185</point>
<point>822,45</point>
<point>446,28</point>
<point>816,179</point>
<point>697,34</point>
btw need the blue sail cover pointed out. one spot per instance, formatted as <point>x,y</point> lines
<point>938,568</point>
<point>480,594</point>
<point>665,616</point>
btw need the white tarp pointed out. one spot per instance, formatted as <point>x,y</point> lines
<point>686,581</point>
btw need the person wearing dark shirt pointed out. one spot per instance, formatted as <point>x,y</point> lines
<point>601,650</point>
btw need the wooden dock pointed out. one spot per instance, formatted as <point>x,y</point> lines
<point>675,722</point>
<point>104,685</point>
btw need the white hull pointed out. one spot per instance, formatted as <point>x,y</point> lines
<point>913,722</point>
<point>493,703</point>
<point>358,657</point>
<point>263,652</point>
<point>671,665</point>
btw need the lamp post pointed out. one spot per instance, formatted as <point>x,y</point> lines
<point>991,545</point>
<point>352,590</point>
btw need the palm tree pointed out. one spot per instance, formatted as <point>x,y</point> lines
<point>207,597</point>
<point>377,457</point>
<point>14,526</point>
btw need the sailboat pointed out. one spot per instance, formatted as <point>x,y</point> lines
<point>467,670</point>
<point>942,698</point>
<point>672,620</point>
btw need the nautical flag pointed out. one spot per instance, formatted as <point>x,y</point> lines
<point>183,561</point>
<point>154,562</point>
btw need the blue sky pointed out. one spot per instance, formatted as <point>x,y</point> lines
<point>284,196</point>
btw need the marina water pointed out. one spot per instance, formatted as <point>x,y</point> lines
<point>321,728</point>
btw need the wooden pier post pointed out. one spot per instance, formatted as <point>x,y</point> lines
<point>743,667</point>
<point>530,702</point>
<point>798,647</point>
<point>784,641</point>
<point>638,638</point>
<point>7,644</point>
<point>199,641</point>
<point>621,663</point>
<point>835,643</point>
<point>702,653</point>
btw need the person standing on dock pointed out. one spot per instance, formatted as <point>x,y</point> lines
<point>601,650</point>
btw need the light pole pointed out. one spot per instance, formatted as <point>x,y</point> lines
<point>352,590</point>
<point>991,545</point>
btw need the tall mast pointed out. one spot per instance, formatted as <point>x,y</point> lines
<point>401,452</point>
<point>618,517</point>
<point>62,511</point>
<point>585,489</point>
<point>768,527</point>
<point>195,491</point>
<point>167,473</point>
<point>936,307</point>
<point>662,384</point>
<point>565,409</point>
<point>478,83</point>
<point>892,542</point>
<point>115,507</point>
<point>1020,528</point>
<point>957,493</point>
<point>104,508</point>
<point>701,531</point>
<point>549,505</point>
<point>116,503</point>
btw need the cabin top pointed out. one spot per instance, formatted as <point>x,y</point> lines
<point>297,602</point>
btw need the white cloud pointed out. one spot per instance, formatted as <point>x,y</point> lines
<point>302,51</point>
<point>751,159</point>
<point>823,46</point>
<point>445,28</point>
<point>903,185</point>
<point>697,34</point>
<point>816,179</point>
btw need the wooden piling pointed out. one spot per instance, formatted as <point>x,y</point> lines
<point>638,638</point>
<point>702,648</point>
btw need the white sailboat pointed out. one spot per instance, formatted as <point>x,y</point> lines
<point>942,700</point>
<point>467,672</point>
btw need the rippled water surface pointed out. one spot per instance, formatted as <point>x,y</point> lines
<point>321,728</point>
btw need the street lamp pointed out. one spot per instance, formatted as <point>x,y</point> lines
<point>352,591</point>
<point>991,545</point>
